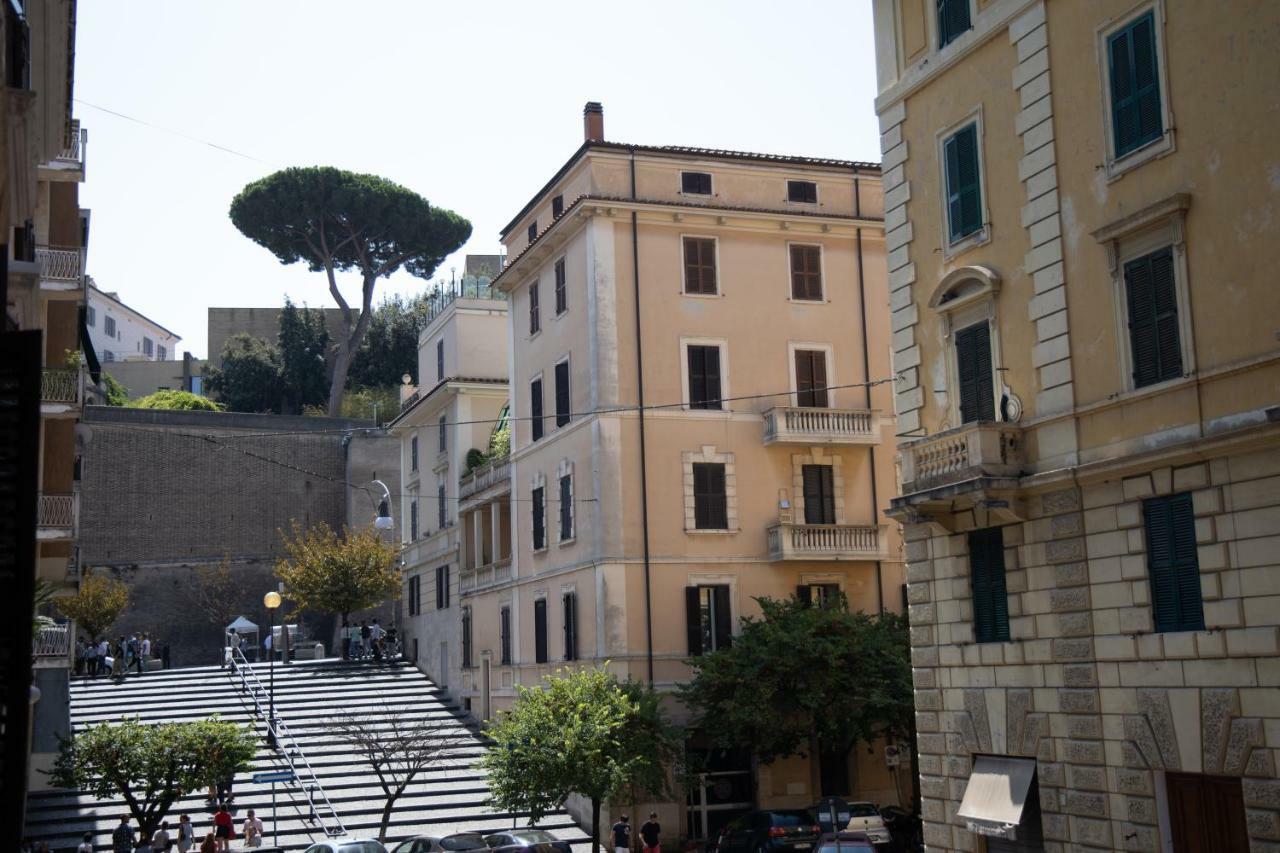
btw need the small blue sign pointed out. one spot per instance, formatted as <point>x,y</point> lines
<point>273,776</point>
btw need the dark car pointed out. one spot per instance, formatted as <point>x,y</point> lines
<point>770,831</point>
<point>525,841</point>
<point>848,841</point>
<point>459,842</point>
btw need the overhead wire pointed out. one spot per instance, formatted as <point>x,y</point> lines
<point>170,130</point>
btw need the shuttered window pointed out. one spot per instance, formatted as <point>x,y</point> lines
<point>704,377</point>
<point>413,520</point>
<point>444,434</point>
<point>539,519</point>
<point>695,183</point>
<point>415,595</point>
<point>819,495</point>
<point>1136,116</point>
<point>540,630</point>
<point>973,368</point>
<point>442,587</point>
<point>413,453</point>
<point>439,360</point>
<point>535,408</point>
<point>566,508</point>
<point>562,393</point>
<point>441,510</point>
<point>533,230</point>
<point>708,622</point>
<point>569,603</point>
<point>821,594</point>
<point>466,638</point>
<point>700,266</point>
<point>986,579</point>
<point>1173,564</point>
<point>802,192</point>
<point>964,188</point>
<point>535,310</point>
<point>953,20</point>
<point>504,636</point>
<point>557,206</point>
<point>1153,318</point>
<point>562,298</point>
<point>710,503</point>
<point>811,378</point>
<point>806,273</point>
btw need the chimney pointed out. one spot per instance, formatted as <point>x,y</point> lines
<point>593,122</point>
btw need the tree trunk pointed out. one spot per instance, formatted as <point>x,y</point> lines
<point>386,816</point>
<point>338,385</point>
<point>595,824</point>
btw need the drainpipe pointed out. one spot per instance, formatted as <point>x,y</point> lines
<point>866,373</point>
<point>644,479</point>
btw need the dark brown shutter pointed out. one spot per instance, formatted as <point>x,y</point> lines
<point>535,408</point>
<point>704,377</point>
<point>535,321</point>
<point>562,393</point>
<point>539,520</point>
<point>693,619</point>
<point>819,494</point>
<point>804,595</point>
<point>710,504</point>
<point>811,378</point>
<point>570,606</point>
<point>540,630</point>
<point>973,367</point>
<point>724,620</point>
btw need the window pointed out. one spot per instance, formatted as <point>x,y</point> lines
<point>973,371</point>
<point>504,636</point>
<point>562,299</point>
<point>443,425</point>
<point>953,20</point>
<point>700,266</point>
<point>533,230</point>
<point>108,355</point>
<point>148,346</point>
<point>819,494</point>
<point>17,67</point>
<point>466,638</point>
<point>413,453</point>
<point>540,630</point>
<point>535,408</point>
<point>1173,564</point>
<point>562,393</point>
<point>557,206</point>
<point>413,520</point>
<point>539,519</point>
<point>566,508</point>
<point>802,192</point>
<point>811,378</point>
<point>986,578</point>
<point>443,512</point>
<point>710,501</point>
<point>569,602</point>
<point>415,595</point>
<point>704,376</point>
<point>109,326</point>
<point>806,273</point>
<point>535,311</point>
<point>90,315</point>
<point>161,353</point>
<point>1153,318</point>
<point>708,621</point>
<point>821,594</point>
<point>442,587</point>
<point>695,183</point>
<point>964,189</point>
<point>440,360</point>
<point>1137,116</point>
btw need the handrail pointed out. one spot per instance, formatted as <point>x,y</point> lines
<point>303,776</point>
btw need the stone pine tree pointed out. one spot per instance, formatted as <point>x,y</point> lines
<point>303,343</point>
<point>337,221</point>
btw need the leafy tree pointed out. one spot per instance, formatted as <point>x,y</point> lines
<point>303,343</point>
<point>390,347</point>
<point>215,593</point>
<point>114,394</point>
<point>581,732</point>
<point>338,221</point>
<point>151,767</point>
<point>802,676</point>
<point>96,604</point>
<point>248,378</point>
<point>338,574</point>
<point>179,400</point>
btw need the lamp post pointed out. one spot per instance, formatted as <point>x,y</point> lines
<point>272,602</point>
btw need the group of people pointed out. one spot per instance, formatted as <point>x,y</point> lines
<point>367,641</point>
<point>650,834</point>
<point>184,836</point>
<point>103,657</point>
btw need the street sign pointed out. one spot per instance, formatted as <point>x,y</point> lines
<point>273,776</point>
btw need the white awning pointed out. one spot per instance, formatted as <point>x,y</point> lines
<point>242,624</point>
<point>996,794</point>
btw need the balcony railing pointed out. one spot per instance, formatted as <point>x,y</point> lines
<point>489,474</point>
<point>56,513</point>
<point>470,287</point>
<point>53,642</point>
<point>60,385</point>
<point>819,426</point>
<point>965,453</point>
<point>824,542</point>
<point>408,402</point>
<point>482,576</point>
<point>77,141</point>
<point>61,266</point>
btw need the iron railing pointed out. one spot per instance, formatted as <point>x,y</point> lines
<point>52,642</point>
<point>56,511</point>
<point>469,287</point>
<point>61,265</point>
<point>60,385</point>
<point>77,141</point>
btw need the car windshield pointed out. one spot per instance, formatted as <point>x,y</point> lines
<point>792,819</point>
<point>534,836</point>
<point>462,841</point>
<point>362,847</point>
<point>863,810</point>
<point>846,847</point>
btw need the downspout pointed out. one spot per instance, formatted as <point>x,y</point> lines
<point>644,479</point>
<point>866,372</point>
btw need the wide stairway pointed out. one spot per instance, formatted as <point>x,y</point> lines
<point>450,797</point>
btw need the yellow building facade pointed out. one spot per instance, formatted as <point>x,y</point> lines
<point>1080,206</point>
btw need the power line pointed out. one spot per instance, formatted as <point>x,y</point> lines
<point>170,130</point>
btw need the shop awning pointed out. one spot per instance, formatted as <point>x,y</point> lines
<point>996,794</point>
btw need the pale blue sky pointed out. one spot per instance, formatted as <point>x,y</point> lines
<point>472,104</point>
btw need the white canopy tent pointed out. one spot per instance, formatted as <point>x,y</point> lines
<point>248,632</point>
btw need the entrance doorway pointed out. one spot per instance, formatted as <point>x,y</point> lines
<point>833,771</point>
<point>1206,813</point>
<point>720,791</point>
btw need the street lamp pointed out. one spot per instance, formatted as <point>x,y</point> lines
<point>383,519</point>
<point>272,602</point>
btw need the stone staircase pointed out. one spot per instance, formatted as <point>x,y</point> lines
<point>448,798</point>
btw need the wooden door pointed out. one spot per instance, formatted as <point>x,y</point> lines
<point>1206,813</point>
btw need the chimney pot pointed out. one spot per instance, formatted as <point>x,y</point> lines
<point>593,122</point>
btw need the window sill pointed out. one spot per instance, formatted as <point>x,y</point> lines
<point>1118,167</point>
<point>802,204</point>
<point>706,413</point>
<point>707,531</point>
<point>564,543</point>
<point>702,295</point>
<point>795,301</point>
<point>695,195</point>
<point>541,550</point>
<point>981,237</point>
<point>560,316</point>
<point>533,335</point>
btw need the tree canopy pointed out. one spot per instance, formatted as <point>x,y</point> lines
<point>336,221</point>
<point>98,602</point>
<point>247,378</point>
<point>338,574</point>
<point>800,674</point>
<point>178,400</point>
<point>303,344</point>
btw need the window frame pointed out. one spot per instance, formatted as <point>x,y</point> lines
<point>540,631</point>
<point>993,376</point>
<point>413,454</point>
<point>569,620</point>
<point>794,347</point>
<point>557,207</point>
<point>981,236</point>
<point>535,309</point>
<point>442,514</point>
<point>148,346</point>
<point>1179,502</point>
<point>937,24</point>
<point>797,182</point>
<point>560,275</point>
<point>442,439</point>
<point>565,516</point>
<point>998,598</point>
<point>504,635</point>
<point>468,640</point>
<point>715,292</point>
<point>791,272</point>
<point>720,594</point>
<point>532,231</point>
<point>162,352</point>
<point>442,587</point>
<point>711,186</point>
<point>722,498</point>
<point>1117,165</point>
<point>414,528</point>
<point>538,517</point>
<point>91,316</point>
<point>568,379</point>
<point>828,493</point>
<point>686,385</point>
<point>109,326</point>
<point>537,401</point>
<point>440,360</point>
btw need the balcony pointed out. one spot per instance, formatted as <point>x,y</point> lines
<point>70,160</point>
<point>60,269</point>
<point>61,391</point>
<point>799,425</point>
<point>470,287</point>
<point>492,473</point>
<point>51,647</point>
<point>975,466</point>
<point>56,517</point>
<point>789,541</point>
<point>473,580</point>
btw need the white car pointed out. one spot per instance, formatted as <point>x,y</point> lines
<point>865,817</point>
<point>347,845</point>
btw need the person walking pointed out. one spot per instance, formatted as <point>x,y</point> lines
<point>91,660</point>
<point>122,837</point>
<point>117,659</point>
<point>622,835</point>
<point>223,827</point>
<point>252,830</point>
<point>135,651</point>
<point>160,840</point>
<point>366,633</point>
<point>104,649</point>
<point>375,636</point>
<point>186,834</point>
<point>146,651</point>
<point>86,843</point>
<point>650,833</point>
<point>209,845</point>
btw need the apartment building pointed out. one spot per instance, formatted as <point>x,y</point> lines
<point>121,333</point>
<point>694,338</point>
<point>1088,416</point>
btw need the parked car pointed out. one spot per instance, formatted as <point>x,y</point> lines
<point>525,841</point>
<point>347,845</point>
<point>770,831</point>
<point>459,842</point>
<point>846,842</point>
<point>865,817</point>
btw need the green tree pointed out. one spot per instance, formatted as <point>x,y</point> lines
<point>152,766</point>
<point>338,574</point>
<point>96,605</point>
<point>303,343</point>
<point>179,400</point>
<point>248,376</point>
<point>336,221</point>
<point>390,347</point>
<point>803,677</point>
<point>114,394</point>
<point>581,732</point>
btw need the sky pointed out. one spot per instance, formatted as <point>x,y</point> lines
<point>474,105</point>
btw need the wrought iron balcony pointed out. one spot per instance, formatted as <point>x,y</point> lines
<point>52,645</point>
<point>789,541</point>
<point>56,516</point>
<point>968,452</point>
<point>800,425</point>
<point>61,385</point>
<point>73,153</point>
<point>60,269</point>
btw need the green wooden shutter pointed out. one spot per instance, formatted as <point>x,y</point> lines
<point>693,619</point>
<point>1173,564</point>
<point>953,19</point>
<point>964,187</point>
<point>990,600</point>
<point>1136,116</point>
<point>1153,318</point>
<point>973,366</point>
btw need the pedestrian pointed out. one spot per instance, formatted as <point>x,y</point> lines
<point>366,633</point>
<point>122,837</point>
<point>164,656</point>
<point>86,841</point>
<point>622,836</point>
<point>117,660</point>
<point>135,650</point>
<point>78,669</point>
<point>146,651</point>
<point>267,642</point>
<point>252,830</point>
<point>209,845</point>
<point>186,834</point>
<point>375,636</point>
<point>104,649</point>
<point>223,827</point>
<point>160,840</point>
<point>91,660</point>
<point>650,831</point>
